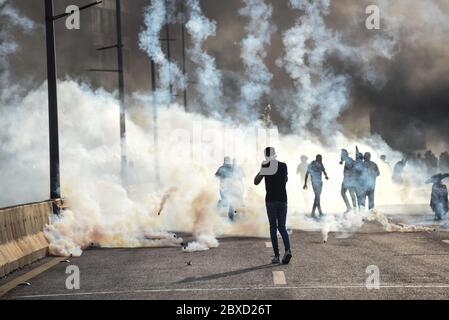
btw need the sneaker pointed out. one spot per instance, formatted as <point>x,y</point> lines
<point>275,260</point>
<point>287,257</point>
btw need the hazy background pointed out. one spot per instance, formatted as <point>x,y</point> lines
<point>409,111</point>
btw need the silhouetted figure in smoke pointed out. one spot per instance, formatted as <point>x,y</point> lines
<point>349,183</point>
<point>276,177</point>
<point>368,181</point>
<point>419,162</point>
<point>225,174</point>
<point>398,171</point>
<point>301,170</point>
<point>384,160</point>
<point>315,171</point>
<point>439,197</point>
<point>412,159</point>
<point>431,162</point>
<point>444,161</point>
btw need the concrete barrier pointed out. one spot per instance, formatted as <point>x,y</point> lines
<point>22,240</point>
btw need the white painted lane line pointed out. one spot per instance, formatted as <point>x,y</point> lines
<point>279,278</point>
<point>305,287</point>
<point>268,244</point>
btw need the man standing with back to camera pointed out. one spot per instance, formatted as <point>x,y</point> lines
<point>276,177</point>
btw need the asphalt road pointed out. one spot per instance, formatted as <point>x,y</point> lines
<point>411,266</point>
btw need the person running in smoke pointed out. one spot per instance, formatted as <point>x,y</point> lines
<point>276,177</point>
<point>225,174</point>
<point>315,171</point>
<point>384,160</point>
<point>369,180</point>
<point>439,197</point>
<point>349,183</point>
<point>301,170</point>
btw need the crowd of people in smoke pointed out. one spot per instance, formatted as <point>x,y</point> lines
<point>432,167</point>
<point>428,165</point>
<point>359,180</point>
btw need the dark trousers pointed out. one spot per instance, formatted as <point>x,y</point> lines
<point>344,189</point>
<point>226,202</point>
<point>369,192</point>
<point>277,216</point>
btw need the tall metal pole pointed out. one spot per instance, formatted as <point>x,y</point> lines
<point>167,40</point>
<point>155,122</point>
<point>183,29</point>
<point>121,87</point>
<point>55,189</point>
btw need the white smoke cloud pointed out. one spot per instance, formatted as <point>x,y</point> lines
<point>102,212</point>
<point>155,17</point>
<point>208,77</point>
<point>14,17</point>
<point>321,92</point>
<point>253,52</point>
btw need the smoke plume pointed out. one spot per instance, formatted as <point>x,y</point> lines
<point>321,92</point>
<point>253,52</point>
<point>11,20</point>
<point>155,17</point>
<point>208,77</point>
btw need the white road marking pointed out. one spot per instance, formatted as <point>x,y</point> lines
<point>279,278</point>
<point>268,244</point>
<point>305,287</point>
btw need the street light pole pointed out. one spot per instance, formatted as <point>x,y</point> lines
<point>55,187</point>
<point>183,36</point>
<point>53,130</point>
<point>154,105</point>
<point>167,41</point>
<point>121,86</point>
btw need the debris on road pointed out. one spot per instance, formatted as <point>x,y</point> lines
<point>25,284</point>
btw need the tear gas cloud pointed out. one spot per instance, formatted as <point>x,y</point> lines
<point>10,21</point>
<point>191,146</point>
<point>208,77</point>
<point>102,212</point>
<point>155,17</point>
<point>321,94</point>
<point>253,53</point>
